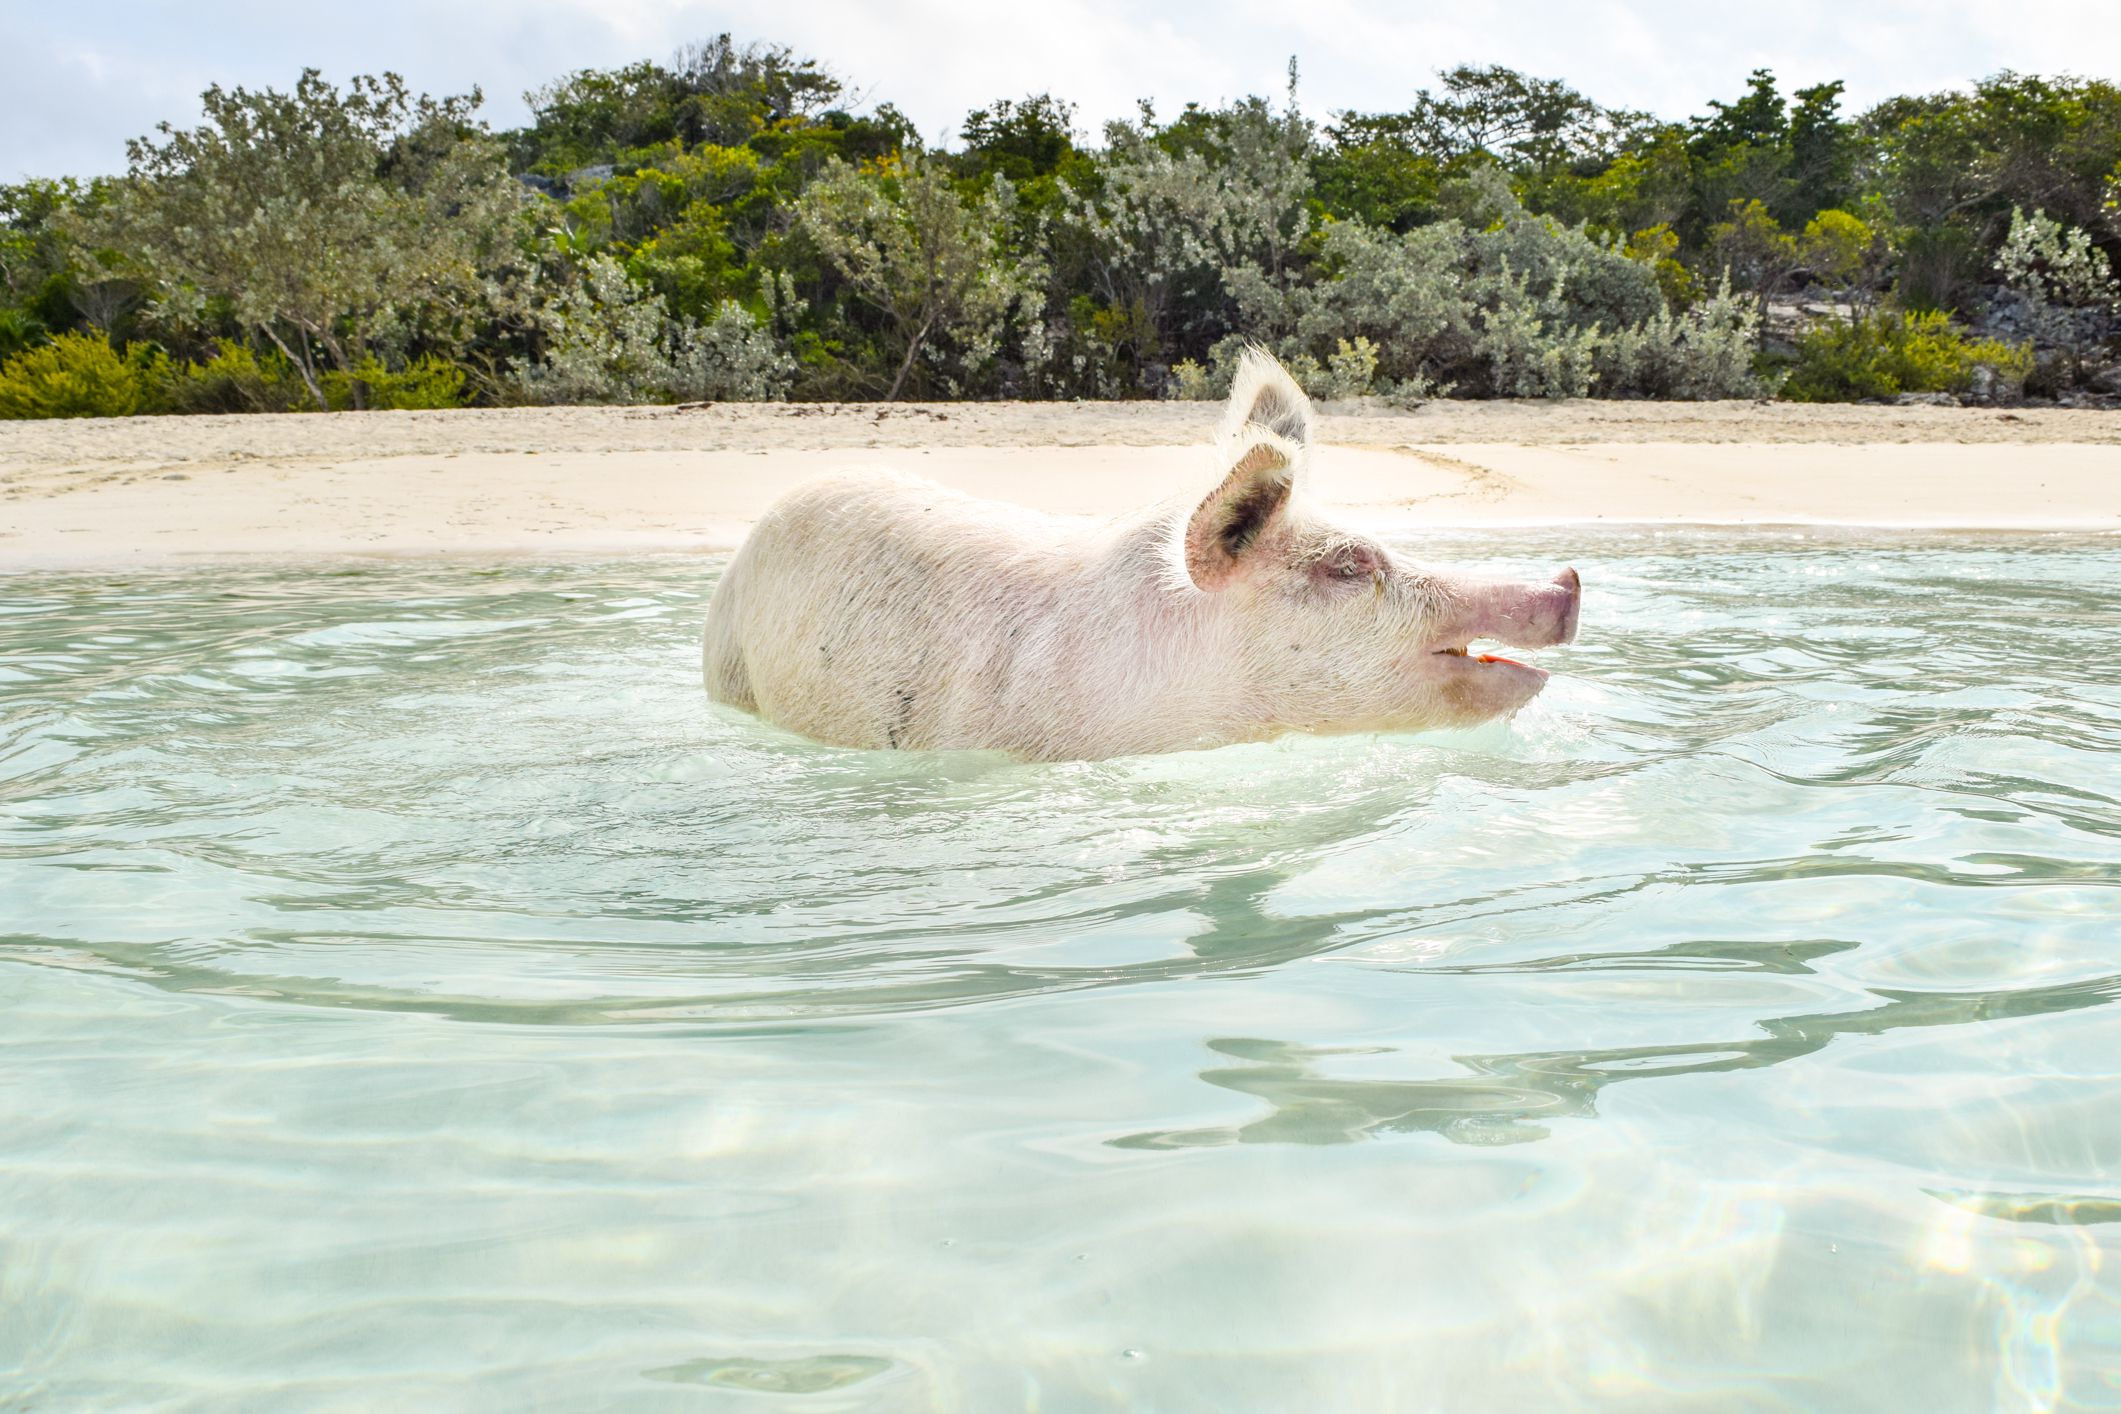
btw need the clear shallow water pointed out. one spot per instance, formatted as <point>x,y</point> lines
<point>411,990</point>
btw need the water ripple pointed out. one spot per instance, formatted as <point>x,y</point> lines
<point>496,793</point>
<point>412,986</point>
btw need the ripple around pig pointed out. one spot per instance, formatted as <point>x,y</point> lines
<point>412,984</point>
<point>508,776</point>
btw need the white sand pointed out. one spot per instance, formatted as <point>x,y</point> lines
<point>146,491</point>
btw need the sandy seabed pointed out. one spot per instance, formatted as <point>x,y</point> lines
<point>541,481</point>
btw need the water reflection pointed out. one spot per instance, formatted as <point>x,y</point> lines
<point>1512,1099</point>
<point>1789,958</point>
<point>2052,1209</point>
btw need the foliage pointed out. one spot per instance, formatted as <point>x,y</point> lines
<point>1835,249</point>
<point>1022,141</point>
<point>1517,306</point>
<point>1348,372</point>
<point>235,378</point>
<point>2064,283</point>
<point>1951,167</point>
<point>719,93</point>
<point>1520,307</point>
<point>1193,231</point>
<point>930,265</point>
<point>333,225</point>
<point>1705,351</point>
<point>1892,352</point>
<point>736,221</point>
<point>50,279</point>
<point>1516,118</point>
<point>610,341</point>
<point>81,375</point>
<point>426,382</point>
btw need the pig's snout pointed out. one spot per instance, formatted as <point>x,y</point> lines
<point>1568,591</point>
<point>1519,614</point>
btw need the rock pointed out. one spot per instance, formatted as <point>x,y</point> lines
<point>1940,400</point>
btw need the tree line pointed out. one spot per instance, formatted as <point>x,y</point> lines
<point>733,224</point>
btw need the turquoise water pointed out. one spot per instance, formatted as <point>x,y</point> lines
<point>413,994</point>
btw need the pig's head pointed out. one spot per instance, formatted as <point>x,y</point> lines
<point>1323,628</point>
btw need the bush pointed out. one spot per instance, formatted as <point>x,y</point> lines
<point>19,330</point>
<point>1894,352</point>
<point>610,341</point>
<point>427,382</point>
<point>1348,372</point>
<point>237,380</point>
<point>1705,352</point>
<point>81,375</point>
<point>1520,307</point>
<point>1527,308</point>
<point>1529,345</point>
<point>2064,284</point>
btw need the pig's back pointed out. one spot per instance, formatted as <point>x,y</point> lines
<point>882,610</point>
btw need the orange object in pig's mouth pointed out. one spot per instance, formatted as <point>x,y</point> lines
<point>1481,657</point>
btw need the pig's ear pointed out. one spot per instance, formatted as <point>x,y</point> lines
<point>1225,526</point>
<point>1264,395</point>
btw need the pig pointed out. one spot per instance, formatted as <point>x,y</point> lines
<point>881,610</point>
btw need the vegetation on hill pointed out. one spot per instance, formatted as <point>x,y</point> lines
<point>733,225</point>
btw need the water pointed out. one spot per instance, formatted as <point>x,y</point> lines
<point>412,994</point>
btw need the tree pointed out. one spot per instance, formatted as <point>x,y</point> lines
<point>1843,251</point>
<point>1527,121</point>
<point>730,91</point>
<point>1021,140</point>
<point>1370,170</point>
<point>1757,252</point>
<point>1755,120</point>
<point>38,291</point>
<point>1823,152</point>
<point>1195,230</point>
<point>1951,167</point>
<point>333,225</point>
<point>716,92</point>
<point>930,265</point>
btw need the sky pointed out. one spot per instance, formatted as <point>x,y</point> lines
<point>84,77</point>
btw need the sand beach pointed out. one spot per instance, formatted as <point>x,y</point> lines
<point>159,491</point>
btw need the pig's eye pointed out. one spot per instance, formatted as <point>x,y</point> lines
<point>1347,565</point>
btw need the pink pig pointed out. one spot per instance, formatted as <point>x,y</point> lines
<point>879,610</point>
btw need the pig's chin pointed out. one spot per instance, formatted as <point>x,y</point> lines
<point>1476,686</point>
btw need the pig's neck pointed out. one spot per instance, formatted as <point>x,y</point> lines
<point>1157,657</point>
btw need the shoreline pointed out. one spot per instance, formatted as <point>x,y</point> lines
<point>1831,534</point>
<point>523,484</point>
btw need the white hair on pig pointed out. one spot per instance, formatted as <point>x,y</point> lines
<point>882,610</point>
<point>1263,394</point>
<point>1265,435</point>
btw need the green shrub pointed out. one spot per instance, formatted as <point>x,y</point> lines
<point>608,340</point>
<point>1892,352</point>
<point>1348,372</point>
<point>81,375</point>
<point>1706,351</point>
<point>19,330</point>
<point>236,379</point>
<point>427,382</point>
